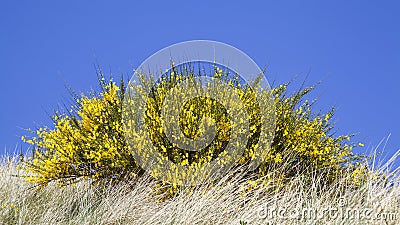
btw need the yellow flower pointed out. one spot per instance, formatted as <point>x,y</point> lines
<point>90,143</point>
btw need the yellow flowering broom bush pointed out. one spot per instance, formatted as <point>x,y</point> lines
<point>89,141</point>
<point>194,117</point>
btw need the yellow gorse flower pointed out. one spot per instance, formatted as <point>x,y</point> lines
<point>89,142</point>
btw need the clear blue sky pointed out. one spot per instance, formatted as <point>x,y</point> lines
<point>352,46</point>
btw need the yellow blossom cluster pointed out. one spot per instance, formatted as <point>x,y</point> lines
<point>87,144</point>
<point>194,117</point>
<point>90,141</point>
<point>303,140</point>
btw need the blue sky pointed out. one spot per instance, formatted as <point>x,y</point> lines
<point>352,46</point>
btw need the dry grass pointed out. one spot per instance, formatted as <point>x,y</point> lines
<point>223,203</point>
